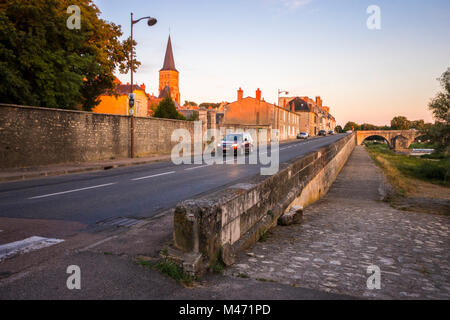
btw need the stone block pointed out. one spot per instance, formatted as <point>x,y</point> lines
<point>293,216</point>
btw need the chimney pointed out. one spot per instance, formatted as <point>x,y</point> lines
<point>258,94</point>
<point>318,101</point>
<point>143,86</point>
<point>240,94</point>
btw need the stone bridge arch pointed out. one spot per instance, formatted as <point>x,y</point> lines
<point>399,140</point>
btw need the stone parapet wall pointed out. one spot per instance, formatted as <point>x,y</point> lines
<point>31,136</point>
<point>220,223</point>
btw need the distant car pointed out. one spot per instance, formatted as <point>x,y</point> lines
<point>236,143</point>
<point>331,132</point>
<point>322,133</point>
<point>303,135</point>
<point>349,131</point>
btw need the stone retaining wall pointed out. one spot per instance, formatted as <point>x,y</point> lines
<point>31,136</point>
<point>218,224</point>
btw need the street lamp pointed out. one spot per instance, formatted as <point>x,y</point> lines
<point>151,22</point>
<point>280,92</point>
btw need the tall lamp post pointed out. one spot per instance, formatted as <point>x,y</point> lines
<point>280,92</point>
<point>151,22</point>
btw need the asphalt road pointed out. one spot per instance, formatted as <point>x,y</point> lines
<point>138,192</point>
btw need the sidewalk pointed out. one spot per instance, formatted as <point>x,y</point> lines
<point>109,270</point>
<point>347,231</point>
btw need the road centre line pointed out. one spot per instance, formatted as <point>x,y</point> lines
<point>206,165</point>
<point>70,191</point>
<point>153,176</point>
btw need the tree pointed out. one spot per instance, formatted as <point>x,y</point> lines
<point>166,109</point>
<point>338,129</point>
<point>368,126</point>
<point>194,116</point>
<point>440,105</point>
<point>44,63</point>
<point>351,126</point>
<point>206,105</point>
<point>418,125</point>
<point>190,103</point>
<point>400,123</point>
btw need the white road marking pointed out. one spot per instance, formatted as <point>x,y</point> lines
<point>70,191</point>
<point>98,243</point>
<point>26,245</point>
<point>206,165</point>
<point>153,176</point>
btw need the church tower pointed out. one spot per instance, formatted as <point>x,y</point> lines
<point>169,76</point>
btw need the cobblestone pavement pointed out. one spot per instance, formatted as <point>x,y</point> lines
<point>350,229</point>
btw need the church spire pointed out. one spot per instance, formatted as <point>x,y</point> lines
<point>169,63</point>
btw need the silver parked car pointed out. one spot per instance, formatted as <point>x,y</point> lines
<point>303,135</point>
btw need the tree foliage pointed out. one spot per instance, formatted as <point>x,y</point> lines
<point>368,126</point>
<point>167,109</point>
<point>400,123</point>
<point>190,103</point>
<point>440,105</point>
<point>206,105</point>
<point>351,126</point>
<point>44,63</point>
<point>194,116</point>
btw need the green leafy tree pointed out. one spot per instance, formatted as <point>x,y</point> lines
<point>167,109</point>
<point>351,126</point>
<point>194,116</point>
<point>190,103</point>
<point>400,123</point>
<point>338,129</point>
<point>206,105</point>
<point>440,105</point>
<point>418,125</point>
<point>44,63</point>
<point>368,126</point>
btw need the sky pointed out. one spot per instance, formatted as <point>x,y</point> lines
<point>307,47</point>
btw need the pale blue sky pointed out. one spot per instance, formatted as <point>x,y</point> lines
<point>308,47</point>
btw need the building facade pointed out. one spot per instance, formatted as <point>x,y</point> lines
<point>256,113</point>
<point>291,116</point>
<point>314,116</point>
<point>116,102</point>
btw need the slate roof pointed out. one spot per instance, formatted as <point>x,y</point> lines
<point>299,104</point>
<point>169,62</point>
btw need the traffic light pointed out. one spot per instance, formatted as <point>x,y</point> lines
<point>131,104</point>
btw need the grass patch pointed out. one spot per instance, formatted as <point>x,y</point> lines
<point>243,276</point>
<point>422,145</point>
<point>170,269</point>
<point>265,280</point>
<point>108,253</point>
<point>217,267</point>
<point>434,169</point>
<point>263,236</point>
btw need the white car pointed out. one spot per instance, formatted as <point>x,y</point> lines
<point>303,135</point>
<point>236,143</point>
